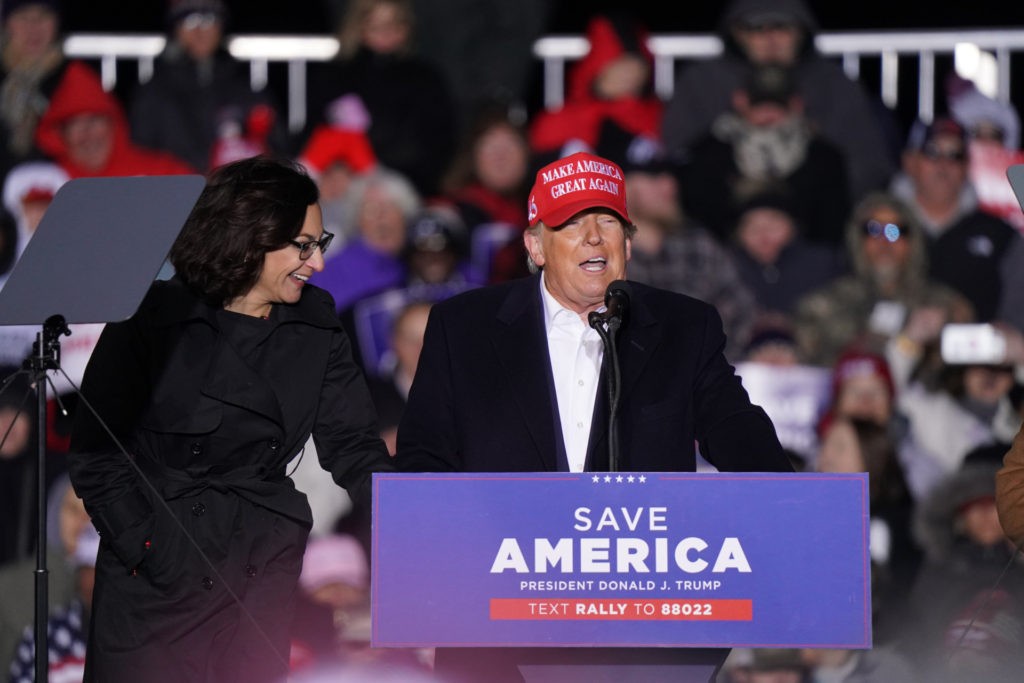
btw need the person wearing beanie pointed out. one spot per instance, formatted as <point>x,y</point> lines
<point>781,33</point>
<point>199,105</point>
<point>765,144</point>
<point>507,380</point>
<point>863,388</point>
<point>773,258</point>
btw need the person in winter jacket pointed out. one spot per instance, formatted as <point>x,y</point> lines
<point>887,298</point>
<point>199,105</point>
<point>781,33</point>
<point>212,387</point>
<point>610,94</point>
<point>85,131</point>
<point>378,86</point>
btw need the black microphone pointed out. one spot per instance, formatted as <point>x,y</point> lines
<point>616,300</point>
<point>616,303</point>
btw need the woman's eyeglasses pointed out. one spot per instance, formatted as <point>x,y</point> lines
<point>306,248</point>
<point>890,232</point>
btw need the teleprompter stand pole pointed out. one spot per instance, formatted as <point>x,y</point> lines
<point>45,356</point>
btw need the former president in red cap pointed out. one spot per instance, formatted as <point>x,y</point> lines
<point>508,379</point>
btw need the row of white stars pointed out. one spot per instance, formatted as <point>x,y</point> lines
<point>618,479</point>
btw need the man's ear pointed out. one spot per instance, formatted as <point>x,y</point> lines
<point>534,247</point>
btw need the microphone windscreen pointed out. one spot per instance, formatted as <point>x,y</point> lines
<point>618,288</point>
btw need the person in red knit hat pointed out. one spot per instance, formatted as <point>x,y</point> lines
<point>334,156</point>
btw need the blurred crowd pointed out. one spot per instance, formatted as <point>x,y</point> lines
<point>843,253</point>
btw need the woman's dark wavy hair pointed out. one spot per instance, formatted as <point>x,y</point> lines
<point>248,208</point>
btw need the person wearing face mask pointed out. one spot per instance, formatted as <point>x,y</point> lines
<point>508,377</point>
<point>212,387</point>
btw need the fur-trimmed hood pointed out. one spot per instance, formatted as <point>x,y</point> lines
<point>935,519</point>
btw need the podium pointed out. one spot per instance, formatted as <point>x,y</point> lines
<point>624,576</point>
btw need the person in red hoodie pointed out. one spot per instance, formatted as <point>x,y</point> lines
<point>609,95</point>
<point>85,131</point>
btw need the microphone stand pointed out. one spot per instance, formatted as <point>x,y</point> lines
<point>45,356</point>
<point>608,330</point>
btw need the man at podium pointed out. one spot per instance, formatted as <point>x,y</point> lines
<point>511,377</point>
<point>508,379</point>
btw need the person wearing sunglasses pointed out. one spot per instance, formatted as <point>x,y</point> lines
<point>888,296</point>
<point>212,387</point>
<point>968,249</point>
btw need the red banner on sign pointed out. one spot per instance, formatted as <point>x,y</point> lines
<point>624,609</point>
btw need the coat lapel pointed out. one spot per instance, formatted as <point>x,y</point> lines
<point>231,380</point>
<point>521,346</point>
<point>226,377</point>
<point>637,342</point>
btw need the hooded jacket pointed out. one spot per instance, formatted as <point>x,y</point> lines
<point>846,311</point>
<point>585,114</point>
<point>80,92</point>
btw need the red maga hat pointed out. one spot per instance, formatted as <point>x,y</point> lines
<point>577,182</point>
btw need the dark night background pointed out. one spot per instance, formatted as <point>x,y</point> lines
<point>567,16</point>
<point>570,17</point>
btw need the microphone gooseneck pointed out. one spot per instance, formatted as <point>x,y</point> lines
<point>606,321</point>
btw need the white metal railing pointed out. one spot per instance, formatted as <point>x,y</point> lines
<point>557,51</point>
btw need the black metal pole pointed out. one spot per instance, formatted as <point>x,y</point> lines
<point>614,392</point>
<point>45,356</point>
<point>41,574</point>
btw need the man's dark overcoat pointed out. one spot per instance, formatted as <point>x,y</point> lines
<point>484,401</point>
<point>483,397</point>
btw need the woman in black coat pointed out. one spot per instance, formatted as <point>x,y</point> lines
<point>212,387</point>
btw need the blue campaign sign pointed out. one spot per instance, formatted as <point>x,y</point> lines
<point>626,559</point>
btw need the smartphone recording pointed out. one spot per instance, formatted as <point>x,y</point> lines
<point>973,344</point>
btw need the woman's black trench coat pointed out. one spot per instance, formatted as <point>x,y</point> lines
<point>213,432</point>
